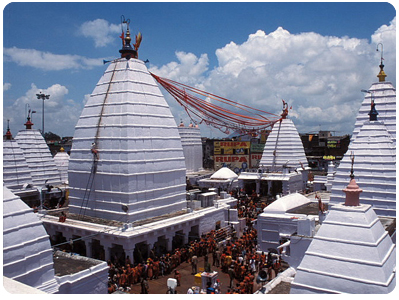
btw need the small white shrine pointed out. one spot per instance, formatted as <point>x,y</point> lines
<point>351,252</point>
<point>61,160</point>
<point>279,221</point>
<point>223,179</point>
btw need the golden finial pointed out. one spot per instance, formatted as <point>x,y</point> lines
<point>382,74</point>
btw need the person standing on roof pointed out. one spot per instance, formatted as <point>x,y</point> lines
<point>94,150</point>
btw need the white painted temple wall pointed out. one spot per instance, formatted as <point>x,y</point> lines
<point>141,162</point>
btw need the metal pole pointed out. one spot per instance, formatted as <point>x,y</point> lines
<point>43,97</point>
<point>43,117</point>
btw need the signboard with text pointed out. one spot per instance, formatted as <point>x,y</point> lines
<point>229,147</point>
<point>255,160</point>
<point>236,163</point>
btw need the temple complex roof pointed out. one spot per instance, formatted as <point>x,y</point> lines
<point>283,148</point>
<point>27,254</point>
<point>127,151</point>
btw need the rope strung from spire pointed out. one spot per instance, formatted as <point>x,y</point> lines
<point>249,120</point>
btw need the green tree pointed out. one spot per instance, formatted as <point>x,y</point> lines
<point>49,136</point>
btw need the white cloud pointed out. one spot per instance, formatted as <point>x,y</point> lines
<point>188,69</point>
<point>100,30</point>
<point>48,61</point>
<point>6,86</point>
<point>320,76</point>
<point>61,113</point>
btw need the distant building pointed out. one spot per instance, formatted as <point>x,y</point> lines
<point>321,148</point>
<point>232,154</point>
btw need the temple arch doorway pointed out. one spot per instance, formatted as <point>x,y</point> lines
<point>194,233</point>
<point>178,240</point>
<point>160,246</point>
<point>97,250</point>
<point>118,254</point>
<point>78,245</point>
<point>140,252</point>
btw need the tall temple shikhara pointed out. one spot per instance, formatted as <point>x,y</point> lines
<point>127,171</point>
<point>126,149</point>
<point>374,144</point>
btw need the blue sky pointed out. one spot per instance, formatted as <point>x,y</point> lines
<point>316,56</point>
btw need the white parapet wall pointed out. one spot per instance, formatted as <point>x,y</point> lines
<point>93,280</point>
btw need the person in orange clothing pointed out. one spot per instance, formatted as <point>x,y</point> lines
<point>223,262</point>
<point>251,284</point>
<point>135,275</point>
<point>150,270</point>
<point>263,257</point>
<point>129,273</point>
<point>62,217</point>
<point>246,283</point>
<point>177,276</point>
<point>123,279</point>
<point>156,269</point>
<point>241,288</point>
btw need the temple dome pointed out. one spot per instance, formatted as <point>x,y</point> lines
<point>140,164</point>
<point>38,157</point>
<point>284,204</point>
<point>224,173</point>
<point>27,254</point>
<point>283,147</point>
